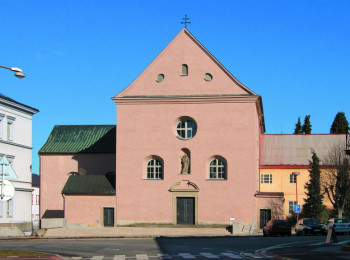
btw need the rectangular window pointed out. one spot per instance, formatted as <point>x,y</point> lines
<point>1,208</point>
<point>1,125</point>
<point>9,210</point>
<point>266,178</point>
<point>292,178</point>
<point>291,206</point>
<point>9,127</point>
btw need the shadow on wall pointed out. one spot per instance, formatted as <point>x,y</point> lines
<point>99,158</point>
<point>53,214</point>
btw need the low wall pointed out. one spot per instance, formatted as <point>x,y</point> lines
<point>53,222</point>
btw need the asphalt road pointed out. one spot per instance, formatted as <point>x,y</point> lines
<point>309,247</point>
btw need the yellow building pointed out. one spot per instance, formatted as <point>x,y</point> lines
<point>284,163</point>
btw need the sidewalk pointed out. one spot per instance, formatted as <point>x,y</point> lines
<point>135,232</point>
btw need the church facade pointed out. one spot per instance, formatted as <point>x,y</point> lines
<point>187,142</point>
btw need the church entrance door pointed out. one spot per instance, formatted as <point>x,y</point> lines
<point>185,211</point>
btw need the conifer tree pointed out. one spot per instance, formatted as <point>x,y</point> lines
<point>313,206</point>
<point>340,124</point>
<point>307,125</point>
<point>298,128</point>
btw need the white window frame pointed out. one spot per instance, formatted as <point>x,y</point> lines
<point>189,131</point>
<point>291,205</point>
<point>292,178</point>
<point>10,127</point>
<point>154,169</point>
<point>2,203</point>
<point>9,208</point>
<point>217,169</point>
<point>266,178</point>
<point>2,116</point>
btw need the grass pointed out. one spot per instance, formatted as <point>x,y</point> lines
<point>17,253</point>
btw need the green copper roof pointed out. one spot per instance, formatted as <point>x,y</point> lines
<point>70,139</point>
<point>88,184</point>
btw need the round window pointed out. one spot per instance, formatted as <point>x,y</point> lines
<point>186,128</point>
<point>160,78</point>
<point>208,77</point>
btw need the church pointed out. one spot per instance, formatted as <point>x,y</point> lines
<point>186,150</point>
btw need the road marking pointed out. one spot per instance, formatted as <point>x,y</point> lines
<point>186,255</point>
<point>97,257</point>
<point>119,257</point>
<point>142,257</point>
<point>77,257</point>
<point>164,256</point>
<point>230,255</point>
<point>209,255</point>
<point>252,255</point>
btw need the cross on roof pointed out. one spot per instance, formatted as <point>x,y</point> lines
<point>185,22</point>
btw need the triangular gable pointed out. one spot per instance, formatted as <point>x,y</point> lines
<point>185,49</point>
<point>9,172</point>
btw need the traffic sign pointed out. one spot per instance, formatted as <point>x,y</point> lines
<point>296,208</point>
<point>7,190</point>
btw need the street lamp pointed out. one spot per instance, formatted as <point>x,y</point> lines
<point>18,72</point>
<point>296,174</point>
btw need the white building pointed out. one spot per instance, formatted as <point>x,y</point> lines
<point>16,149</point>
<point>35,200</point>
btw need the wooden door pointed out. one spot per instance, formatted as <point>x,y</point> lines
<point>185,211</point>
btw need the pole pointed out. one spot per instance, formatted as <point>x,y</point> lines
<point>296,193</point>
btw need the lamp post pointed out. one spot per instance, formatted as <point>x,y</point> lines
<point>18,72</point>
<point>296,174</point>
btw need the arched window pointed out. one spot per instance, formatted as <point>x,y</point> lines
<point>154,169</point>
<point>217,169</point>
<point>184,70</point>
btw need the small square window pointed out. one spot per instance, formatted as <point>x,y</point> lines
<point>266,178</point>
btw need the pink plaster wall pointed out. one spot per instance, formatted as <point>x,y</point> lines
<point>87,209</point>
<point>225,129</point>
<point>54,170</point>
<point>227,126</point>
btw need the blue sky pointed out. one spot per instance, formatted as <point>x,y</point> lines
<point>78,54</point>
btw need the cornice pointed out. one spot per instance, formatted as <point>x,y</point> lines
<point>188,99</point>
<point>15,144</point>
<point>18,106</point>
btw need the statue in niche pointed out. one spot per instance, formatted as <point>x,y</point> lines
<point>185,164</point>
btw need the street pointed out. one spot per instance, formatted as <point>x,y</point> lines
<point>309,247</point>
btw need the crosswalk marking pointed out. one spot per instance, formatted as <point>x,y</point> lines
<point>77,257</point>
<point>169,257</point>
<point>186,255</point>
<point>230,255</point>
<point>97,257</point>
<point>209,255</point>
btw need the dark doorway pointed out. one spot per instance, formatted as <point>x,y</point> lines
<point>265,216</point>
<point>185,211</point>
<point>108,217</point>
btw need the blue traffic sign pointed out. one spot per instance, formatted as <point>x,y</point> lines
<point>296,208</point>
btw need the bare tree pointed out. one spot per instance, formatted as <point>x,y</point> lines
<point>336,177</point>
<point>276,206</point>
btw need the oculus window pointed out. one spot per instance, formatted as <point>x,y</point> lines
<point>186,128</point>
